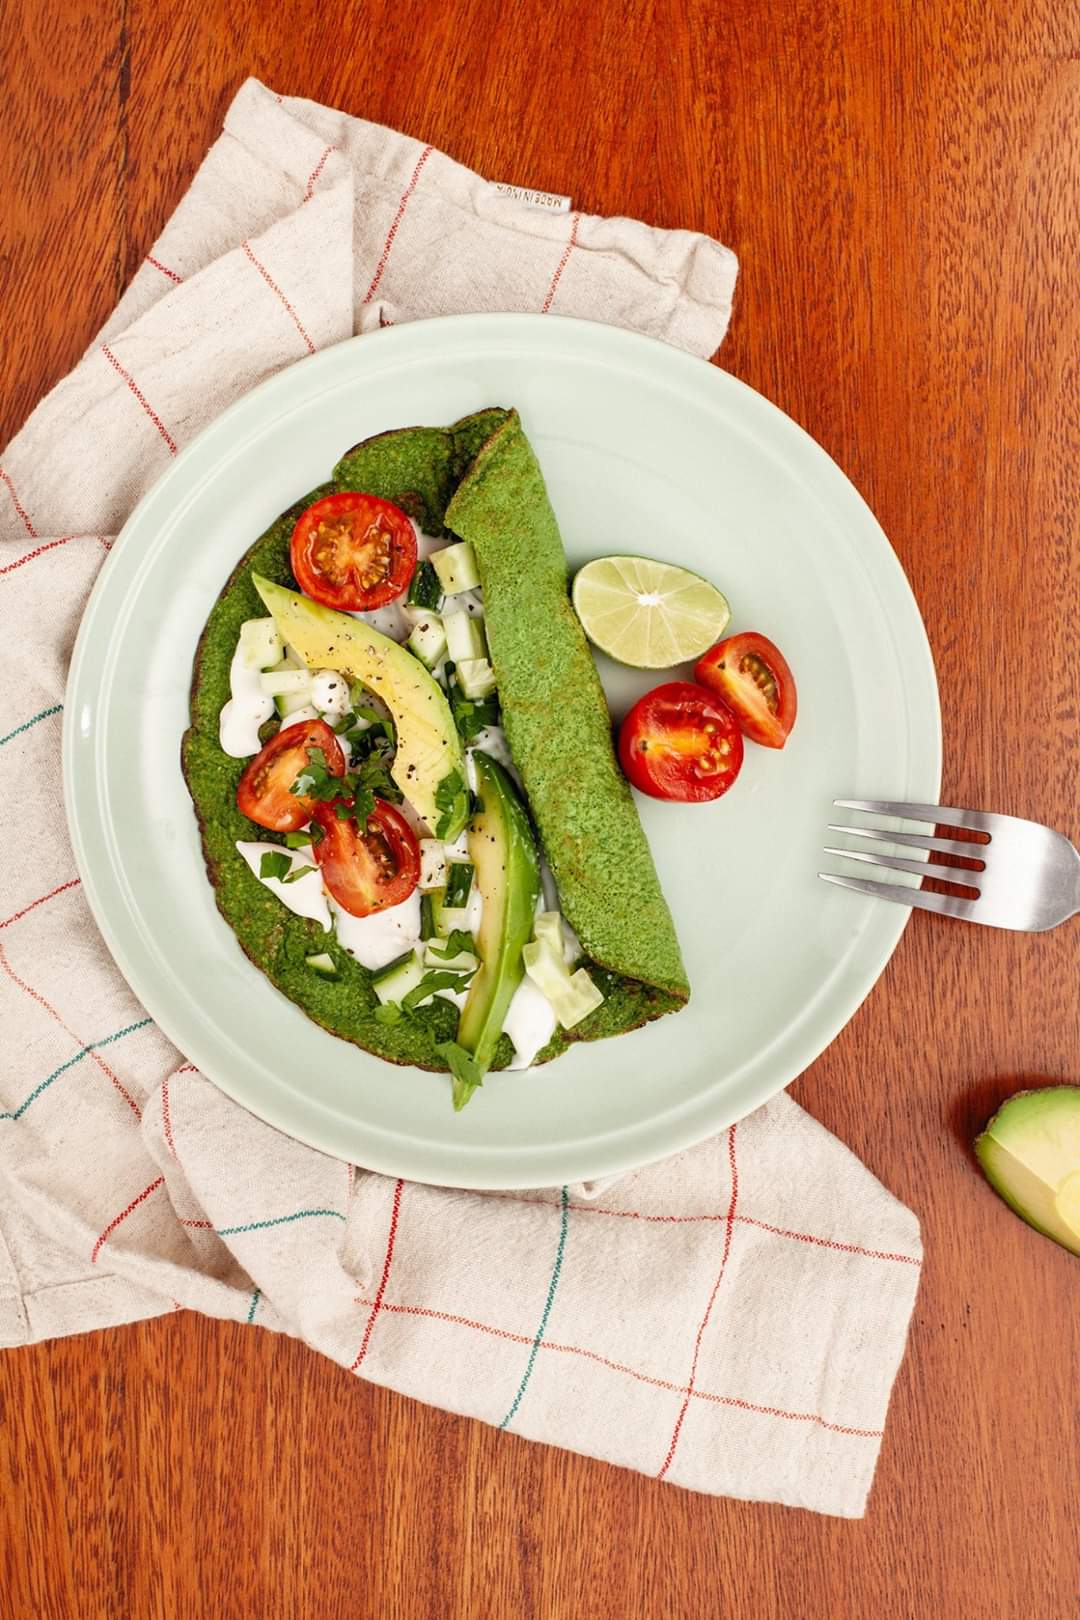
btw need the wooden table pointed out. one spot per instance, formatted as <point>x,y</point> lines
<point>902,186</point>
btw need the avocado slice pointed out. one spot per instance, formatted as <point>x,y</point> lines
<point>507,871</point>
<point>1030,1152</point>
<point>429,766</point>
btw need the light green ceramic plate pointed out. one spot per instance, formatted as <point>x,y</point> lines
<point>644,450</point>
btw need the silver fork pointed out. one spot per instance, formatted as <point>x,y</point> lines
<point>1030,878</point>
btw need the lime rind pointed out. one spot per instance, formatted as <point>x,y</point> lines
<point>646,613</point>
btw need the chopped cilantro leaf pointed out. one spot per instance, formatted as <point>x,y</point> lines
<point>358,808</point>
<point>466,1071</point>
<point>316,781</point>
<point>452,799</point>
<point>274,864</point>
<point>311,834</point>
<point>437,979</point>
<point>446,949</point>
<point>297,872</point>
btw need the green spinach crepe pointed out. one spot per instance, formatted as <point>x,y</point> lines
<point>478,481</point>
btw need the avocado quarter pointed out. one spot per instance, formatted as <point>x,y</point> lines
<point>1030,1153</point>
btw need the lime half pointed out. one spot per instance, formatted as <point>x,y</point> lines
<point>648,614</point>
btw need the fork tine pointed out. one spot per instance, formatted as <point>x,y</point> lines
<point>936,814</point>
<point>921,899</point>
<point>893,863</point>
<point>944,846</point>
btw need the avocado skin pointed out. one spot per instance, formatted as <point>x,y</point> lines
<point>503,852</point>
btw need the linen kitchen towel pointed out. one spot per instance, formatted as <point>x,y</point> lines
<point>730,1320</point>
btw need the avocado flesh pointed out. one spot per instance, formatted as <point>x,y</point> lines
<point>428,747</point>
<point>507,871</point>
<point>1030,1152</point>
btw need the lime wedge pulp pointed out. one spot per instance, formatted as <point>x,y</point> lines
<point>648,614</point>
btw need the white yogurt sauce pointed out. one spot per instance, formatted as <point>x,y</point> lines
<point>304,898</point>
<point>529,1022</point>
<point>492,740</point>
<point>330,693</point>
<point>248,708</point>
<point>300,715</point>
<point>378,939</point>
<point>427,543</point>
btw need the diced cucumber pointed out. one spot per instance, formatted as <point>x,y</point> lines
<point>456,568</point>
<point>465,637</point>
<point>286,682</point>
<point>547,930</point>
<point>463,962</point>
<point>428,929</point>
<point>323,964</point>
<point>428,640</point>
<point>572,996</point>
<point>288,703</point>
<point>432,863</point>
<point>425,590</point>
<point>476,678</point>
<point>260,643</point>
<point>459,878</point>
<point>447,918</point>
<point>295,708</point>
<point>398,977</point>
<point>438,913</point>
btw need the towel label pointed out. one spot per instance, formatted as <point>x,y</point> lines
<point>546,200</point>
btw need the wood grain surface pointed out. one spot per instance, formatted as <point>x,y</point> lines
<point>901,183</point>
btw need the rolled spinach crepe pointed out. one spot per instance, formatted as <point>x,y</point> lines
<point>477,481</point>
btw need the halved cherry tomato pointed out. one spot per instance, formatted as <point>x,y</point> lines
<point>752,677</point>
<point>263,791</point>
<point>371,870</point>
<point>680,742</point>
<point>353,552</point>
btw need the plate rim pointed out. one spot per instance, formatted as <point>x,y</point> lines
<point>416,1159</point>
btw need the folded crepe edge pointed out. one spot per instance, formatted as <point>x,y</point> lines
<point>485,465</point>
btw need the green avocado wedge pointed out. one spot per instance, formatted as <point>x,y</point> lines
<point>598,848</point>
<point>429,752</point>
<point>507,867</point>
<point>1030,1153</point>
